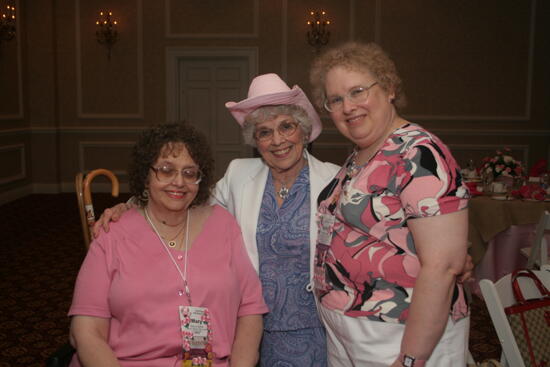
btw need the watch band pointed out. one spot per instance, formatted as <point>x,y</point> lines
<point>410,361</point>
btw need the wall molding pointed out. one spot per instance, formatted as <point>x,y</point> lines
<point>168,29</point>
<point>284,39</point>
<point>82,145</point>
<point>47,188</point>
<point>529,75</point>
<point>14,194</point>
<point>465,132</point>
<point>378,22</point>
<point>326,131</point>
<point>98,187</point>
<point>22,174</point>
<point>86,115</point>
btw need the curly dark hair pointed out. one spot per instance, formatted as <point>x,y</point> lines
<point>148,149</point>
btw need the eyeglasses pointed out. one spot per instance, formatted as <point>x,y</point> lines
<point>167,174</point>
<point>285,128</point>
<point>355,95</point>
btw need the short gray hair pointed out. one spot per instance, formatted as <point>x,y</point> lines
<point>266,113</point>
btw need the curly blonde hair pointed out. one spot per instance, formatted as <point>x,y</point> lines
<point>358,57</point>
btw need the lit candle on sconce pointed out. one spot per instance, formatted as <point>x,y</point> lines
<point>7,24</point>
<point>106,33</point>
<point>318,34</point>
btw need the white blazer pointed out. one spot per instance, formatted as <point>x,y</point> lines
<point>241,190</point>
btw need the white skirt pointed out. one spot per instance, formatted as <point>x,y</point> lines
<point>358,342</point>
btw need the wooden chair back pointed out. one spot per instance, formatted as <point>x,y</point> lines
<point>84,198</point>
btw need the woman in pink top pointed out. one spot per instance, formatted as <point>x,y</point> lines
<point>171,284</point>
<point>393,225</point>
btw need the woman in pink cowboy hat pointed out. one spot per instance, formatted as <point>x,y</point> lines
<point>274,199</point>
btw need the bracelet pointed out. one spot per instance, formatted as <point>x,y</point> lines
<point>410,361</point>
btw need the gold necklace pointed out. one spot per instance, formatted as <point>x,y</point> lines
<point>172,243</point>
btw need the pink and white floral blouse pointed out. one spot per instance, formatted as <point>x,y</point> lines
<point>371,266</point>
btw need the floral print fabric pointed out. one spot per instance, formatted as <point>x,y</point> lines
<point>371,265</point>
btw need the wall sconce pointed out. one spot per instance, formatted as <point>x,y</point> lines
<point>7,24</point>
<point>106,31</point>
<point>318,34</point>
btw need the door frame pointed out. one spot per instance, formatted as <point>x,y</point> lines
<point>175,54</point>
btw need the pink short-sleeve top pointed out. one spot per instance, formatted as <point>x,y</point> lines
<point>128,277</point>
<point>372,265</point>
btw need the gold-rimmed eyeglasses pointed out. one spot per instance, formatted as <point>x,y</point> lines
<point>285,128</point>
<point>355,95</point>
<point>167,174</point>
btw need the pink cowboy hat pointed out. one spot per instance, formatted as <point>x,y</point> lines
<point>269,90</point>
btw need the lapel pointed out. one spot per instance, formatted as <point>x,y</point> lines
<point>248,207</point>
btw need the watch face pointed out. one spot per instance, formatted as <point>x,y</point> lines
<point>408,361</point>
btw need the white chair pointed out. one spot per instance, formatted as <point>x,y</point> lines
<point>498,296</point>
<point>537,254</point>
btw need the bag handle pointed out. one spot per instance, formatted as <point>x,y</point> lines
<point>526,273</point>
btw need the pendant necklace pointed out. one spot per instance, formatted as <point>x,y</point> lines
<point>183,274</point>
<point>283,191</point>
<point>172,243</point>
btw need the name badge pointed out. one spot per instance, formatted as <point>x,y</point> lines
<point>319,271</point>
<point>326,226</point>
<point>195,327</point>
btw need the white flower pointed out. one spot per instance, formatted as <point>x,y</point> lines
<point>507,158</point>
<point>498,169</point>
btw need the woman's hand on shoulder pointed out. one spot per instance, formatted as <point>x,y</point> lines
<point>467,274</point>
<point>110,215</point>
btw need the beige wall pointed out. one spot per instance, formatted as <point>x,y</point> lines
<point>474,73</point>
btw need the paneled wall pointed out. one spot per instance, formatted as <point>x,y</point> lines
<point>475,73</point>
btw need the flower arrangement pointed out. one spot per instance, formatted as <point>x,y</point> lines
<point>502,164</point>
<point>530,191</point>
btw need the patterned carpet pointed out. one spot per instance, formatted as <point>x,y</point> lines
<point>40,254</point>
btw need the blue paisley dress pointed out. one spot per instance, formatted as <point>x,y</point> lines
<point>293,334</point>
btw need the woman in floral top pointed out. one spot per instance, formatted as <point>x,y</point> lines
<point>393,225</point>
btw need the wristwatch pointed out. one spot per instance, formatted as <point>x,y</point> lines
<point>410,361</point>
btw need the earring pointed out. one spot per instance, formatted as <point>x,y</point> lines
<point>145,195</point>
